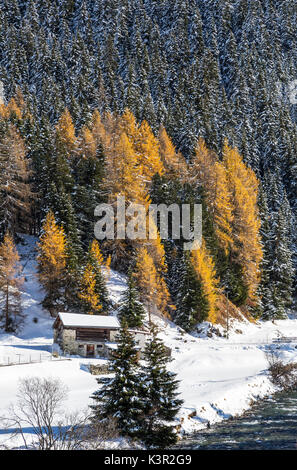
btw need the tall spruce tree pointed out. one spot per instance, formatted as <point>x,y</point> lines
<point>281,269</point>
<point>263,307</point>
<point>159,396</point>
<point>119,398</point>
<point>277,272</point>
<point>191,304</point>
<point>131,309</point>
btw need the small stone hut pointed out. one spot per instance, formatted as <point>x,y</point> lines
<point>91,335</point>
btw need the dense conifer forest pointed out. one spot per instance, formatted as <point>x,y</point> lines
<point>163,101</point>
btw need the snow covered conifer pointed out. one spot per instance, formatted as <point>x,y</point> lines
<point>131,309</point>
<point>192,305</point>
<point>119,398</point>
<point>277,269</point>
<point>264,289</point>
<point>281,274</point>
<point>160,402</point>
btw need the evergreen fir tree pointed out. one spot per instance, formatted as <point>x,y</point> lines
<point>264,289</point>
<point>281,269</point>
<point>277,270</point>
<point>131,310</point>
<point>192,305</point>
<point>119,398</point>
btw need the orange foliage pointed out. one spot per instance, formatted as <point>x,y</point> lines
<point>174,163</point>
<point>205,269</point>
<point>87,291</point>
<point>65,131</point>
<point>243,186</point>
<point>52,248</point>
<point>152,286</point>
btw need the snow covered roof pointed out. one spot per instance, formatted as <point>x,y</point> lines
<point>111,345</point>
<point>88,321</point>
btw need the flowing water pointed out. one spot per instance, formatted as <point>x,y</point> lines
<point>272,424</point>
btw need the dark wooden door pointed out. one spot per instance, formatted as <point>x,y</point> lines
<point>90,350</point>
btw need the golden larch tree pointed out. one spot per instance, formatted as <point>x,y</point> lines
<point>87,143</point>
<point>222,207</point>
<point>65,131</point>
<point>12,109</point>
<point>147,147</point>
<point>243,186</point>
<point>154,245</point>
<point>174,163</point>
<point>87,292</point>
<point>98,130</point>
<point>205,270</point>
<point>127,123</point>
<point>210,173</point>
<point>202,165</point>
<point>96,252</point>
<point>52,262</point>
<point>122,177</point>
<point>151,284</point>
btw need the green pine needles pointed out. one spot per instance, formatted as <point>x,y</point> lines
<point>142,395</point>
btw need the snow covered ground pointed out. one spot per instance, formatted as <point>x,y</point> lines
<point>219,377</point>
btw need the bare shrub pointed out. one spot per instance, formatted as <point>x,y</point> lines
<point>97,434</point>
<point>39,413</point>
<point>282,375</point>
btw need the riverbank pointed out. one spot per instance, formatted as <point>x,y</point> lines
<point>221,378</point>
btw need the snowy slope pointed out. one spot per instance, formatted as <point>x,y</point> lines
<point>35,343</point>
<point>35,338</point>
<point>219,378</point>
